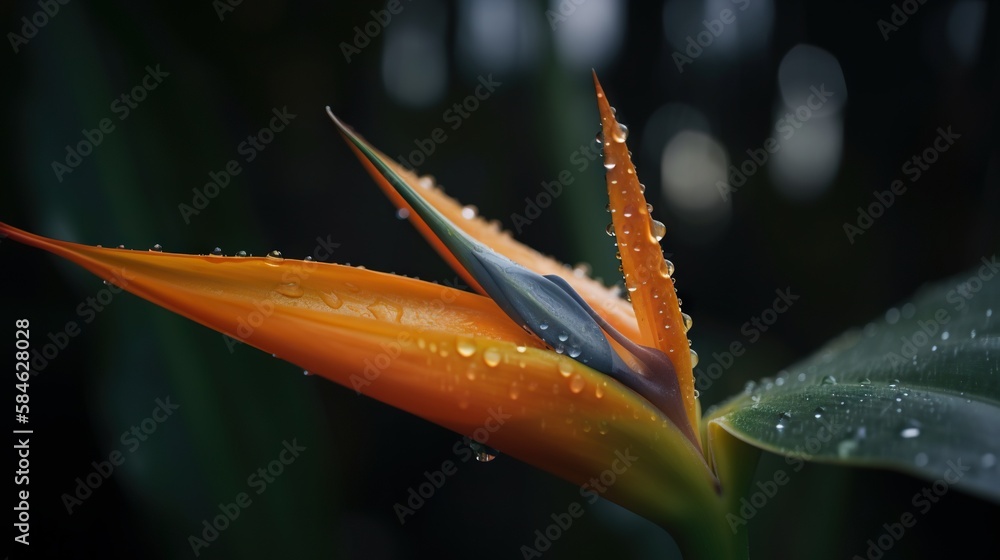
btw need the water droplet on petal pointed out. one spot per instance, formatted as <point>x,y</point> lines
<point>658,230</point>
<point>515,391</point>
<point>157,248</point>
<point>241,253</point>
<point>465,347</point>
<point>290,289</point>
<point>619,134</point>
<point>484,453</point>
<point>694,358</point>
<point>609,165</point>
<point>688,321</point>
<point>306,372</point>
<point>818,413</point>
<point>217,252</point>
<point>565,367</point>
<point>610,229</point>
<point>828,380</point>
<point>275,256</point>
<point>577,383</point>
<point>670,267</point>
<point>602,427</point>
<point>492,357</point>
<point>469,212</point>
<point>331,299</point>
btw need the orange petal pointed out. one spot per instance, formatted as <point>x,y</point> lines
<point>450,357</point>
<point>604,300</point>
<point>647,274</point>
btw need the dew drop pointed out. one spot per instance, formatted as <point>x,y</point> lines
<point>688,321</point>
<point>290,289</point>
<point>657,229</point>
<point>157,248</point>
<point>492,357</point>
<point>602,427</point>
<point>241,253</point>
<point>609,165</point>
<point>945,335</point>
<point>123,246</point>
<point>465,347</point>
<point>306,372</point>
<point>515,391</point>
<point>565,367</point>
<point>563,337</point>
<point>866,381</point>
<point>543,326</point>
<point>599,389</point>
<point>694,358</point>
<point>818,413</point>
<point>828,380</point>
<point>599,138</point>
<point>275,256</point>
<point>619,134</point>
<point>670,267</point>
<point>484,453</point>
<point>610,229</point>
<point>521,348</point>
<point>469,212</point>
<point>783,420</point>
<point>577,383</point>
<point>331,299</point>
<point>217,252</point>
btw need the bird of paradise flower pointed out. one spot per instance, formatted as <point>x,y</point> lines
<point>587,379</point>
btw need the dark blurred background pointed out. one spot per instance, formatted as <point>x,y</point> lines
<point>693,110</point>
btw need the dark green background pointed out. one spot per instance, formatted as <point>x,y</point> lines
<point>362,456</point>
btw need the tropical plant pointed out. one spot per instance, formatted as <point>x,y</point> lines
<point>554,369</point>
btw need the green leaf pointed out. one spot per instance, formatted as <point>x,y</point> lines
<point>916,391</point>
